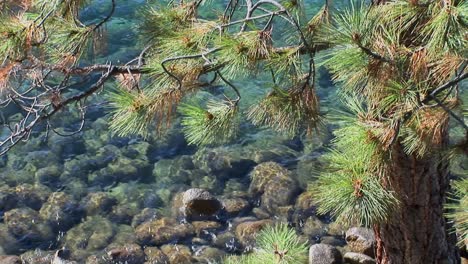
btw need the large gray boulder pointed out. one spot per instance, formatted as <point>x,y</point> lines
<point>324,254</point>
<point>361,240</point>
<point>197,205</point>
<point>358,258</point>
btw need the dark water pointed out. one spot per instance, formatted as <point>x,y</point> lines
<point>91,192</point>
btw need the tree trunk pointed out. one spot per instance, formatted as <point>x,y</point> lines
<point>418,232</point>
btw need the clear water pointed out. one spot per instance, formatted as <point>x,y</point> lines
<point>89,192</point>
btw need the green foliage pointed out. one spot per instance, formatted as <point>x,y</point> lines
<point>280,245</point>
<point>128,115</point>
<point>354,25</point>
<point>240,53</point>
<point>68,42</point>
<point>275,245</point>
<point>350,188</point>
<point>65,8</point>
<point>458,209</point>
<point>348,65</point>
<point>13,37</point>
<point>287,111</point>
<point>446,28</point>
<point>215,125</point>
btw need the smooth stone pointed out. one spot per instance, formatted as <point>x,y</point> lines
<point>358,258</point>
<point>361,240</point>
<point>98,203</point>
<point>197,205</point>
<point>324,254</point>
<point>270,179</point>
<point>227,241</point>
<point>26,225</point>
<point>10,260</point>
<point>206,228</point>
<point>32,196</point>
<point>162,231</point>
<point>61,211</point>
<point>148,214</point>
<point>246,232</point>
<point>155,256</point>
<point>177,254</point>
<point>129,254</point>
<point>209,255</point>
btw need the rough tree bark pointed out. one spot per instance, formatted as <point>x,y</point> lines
<point>418,232</point>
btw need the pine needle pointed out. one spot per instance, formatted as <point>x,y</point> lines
<point>217,124</point>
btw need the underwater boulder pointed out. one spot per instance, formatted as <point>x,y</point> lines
<point>235,206</point>
<point>197,204</point>
<point>32,196</point>
<point>128,254</point>
<point>209,255</point>
<point>49,176</point>
<point>123,213</point>
<point>270,179</point>
<point>178,254</point>
<point>161,231</point>
<point>170,171</point>
<point>28,228</point>
<point>61,211</point>
<point>147,214</point>
<point>155,256</point>
<point>92,235</point>
<point>8,242</point>
<point>224,162</point>
<point>10,260</point>
<point>8,198</point>
<point>246,232</point>
<point>98,203</point>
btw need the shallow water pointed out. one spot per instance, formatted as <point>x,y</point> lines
<point>92,192</point>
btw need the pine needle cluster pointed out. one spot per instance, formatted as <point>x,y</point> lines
<point>458,209</point>
<point>288,111</point>
<point>277,244</point>
<point>350,188</point>
<point>215,125</point>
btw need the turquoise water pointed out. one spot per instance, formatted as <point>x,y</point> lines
<point>93,192</point>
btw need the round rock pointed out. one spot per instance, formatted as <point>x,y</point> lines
<point>324,254</point>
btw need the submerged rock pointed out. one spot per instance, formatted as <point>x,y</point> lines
<point>8,198</point>
<point>161,231</point>
<point>10,260</point>
<point>274,185</point>
<point>224,162</point>
<point>98,203</point>
<point>49,176</point>
<point>236,206</point>
<point>324,254</point>
<point>155,256</point>
<point>170,171</point>
<point>128,254</point>
<point>197,204</point>
<point>8,242</point>
<point>178,254</point>
<point>32,196</point>
<point>246,232</point>
<point>28,228</point>
<point>38,257</point>
<point>94,234</point>
<point>148,214</point>
<point>209,255</point>
<point>61,211</point>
